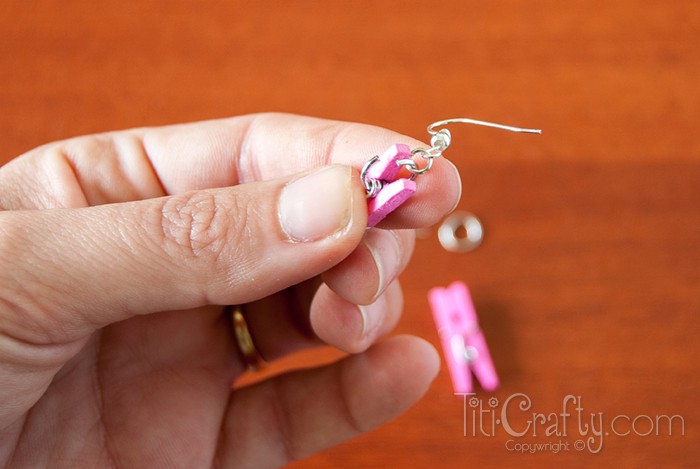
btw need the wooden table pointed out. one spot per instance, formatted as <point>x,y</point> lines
<point>588,281</point>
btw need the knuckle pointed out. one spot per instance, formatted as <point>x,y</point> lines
<point>23,311</point>
<point>195,225</point>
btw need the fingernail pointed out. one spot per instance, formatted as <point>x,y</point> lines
<point>372,317</point>
<point>386,252</point>
<point>317,205</point>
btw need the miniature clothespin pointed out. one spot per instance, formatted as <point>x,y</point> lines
<point>463,342</point>
<point>387,192</point>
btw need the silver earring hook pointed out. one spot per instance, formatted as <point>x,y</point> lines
<point>463,120</point>
<point>442,138</point>
<point>439,142</point>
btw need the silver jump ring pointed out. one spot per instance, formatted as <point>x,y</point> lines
<point>372,186</point>
<point>449,236</point>
<point>413,168</point>
<point>428,153</point>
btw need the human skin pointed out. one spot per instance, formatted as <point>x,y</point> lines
<point>119,252</point>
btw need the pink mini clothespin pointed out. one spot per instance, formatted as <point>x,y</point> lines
<point>387,192</point>
<point>463,342</point>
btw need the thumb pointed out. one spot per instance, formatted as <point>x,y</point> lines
<point>70,271</point>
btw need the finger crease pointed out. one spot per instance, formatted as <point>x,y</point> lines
<point>246,169</point>
<point>142,147</point>
<point>281,415</point>
<point>110,454</point>
<point>345,406</point>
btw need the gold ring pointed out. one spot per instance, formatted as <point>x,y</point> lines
<point>251,356</point>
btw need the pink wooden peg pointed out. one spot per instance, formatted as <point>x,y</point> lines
<point>389,198</point>
<point>394,192</point>
<point>463,342</point>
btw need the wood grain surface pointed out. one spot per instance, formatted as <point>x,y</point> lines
<point>588,281</point>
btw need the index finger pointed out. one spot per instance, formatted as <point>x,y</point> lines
<point>266,146</point>
<point>150,162</point>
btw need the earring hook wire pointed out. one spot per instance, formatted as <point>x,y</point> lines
<point>440,141</point>
<point>463,120</point>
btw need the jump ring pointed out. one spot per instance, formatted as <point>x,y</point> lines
<point>412,166</point>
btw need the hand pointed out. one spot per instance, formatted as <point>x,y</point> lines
<point>117,252</point>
